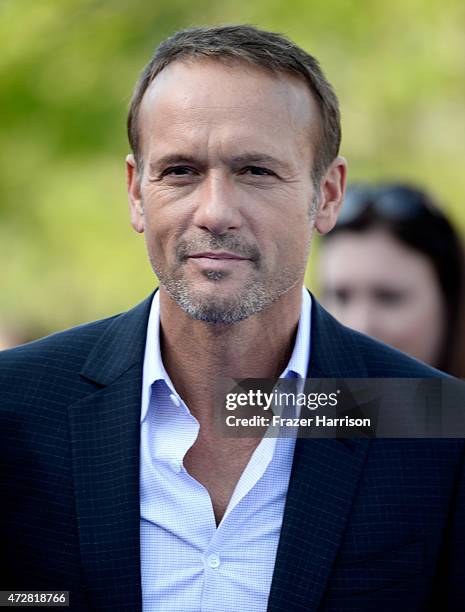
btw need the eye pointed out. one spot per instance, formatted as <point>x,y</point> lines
<point>257,171</point>
<point>178,171</point>
<point>390,297</point>
<point>339,296</point>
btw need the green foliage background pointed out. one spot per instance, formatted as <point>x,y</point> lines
<point>67,69</point>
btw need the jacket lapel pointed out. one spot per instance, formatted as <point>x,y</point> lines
<point>324,477</point>
<point>105,439</point>
<point>104,430</point>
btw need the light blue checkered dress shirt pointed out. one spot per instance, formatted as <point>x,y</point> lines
<point>189,564</point>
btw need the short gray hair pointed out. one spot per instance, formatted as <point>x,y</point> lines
<point>268,50</point>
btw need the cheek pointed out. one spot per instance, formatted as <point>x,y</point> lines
<point>294,235</point>
<point>290,248</point>
<point>417,329</point>
<point>408,321</point>
<point>163,229</point>
<point>158,245</point>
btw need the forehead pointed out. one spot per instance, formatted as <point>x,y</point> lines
<point>252,101</point>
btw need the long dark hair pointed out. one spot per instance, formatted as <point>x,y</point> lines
<point>411,216</point>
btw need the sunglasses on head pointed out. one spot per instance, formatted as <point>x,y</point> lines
<point>391,202</point>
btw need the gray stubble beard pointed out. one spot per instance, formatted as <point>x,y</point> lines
<point>255,297</point>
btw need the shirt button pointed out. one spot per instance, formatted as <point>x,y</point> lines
<point>175,400</point>
<point>175,465</point>
<point>214,561</point>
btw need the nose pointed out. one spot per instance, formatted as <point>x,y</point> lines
<point>362,316</point>
<point>217,209</point>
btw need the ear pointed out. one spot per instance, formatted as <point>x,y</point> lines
<point>332,187</point>
<point>136,207</point>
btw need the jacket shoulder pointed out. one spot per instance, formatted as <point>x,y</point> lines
<point>55,356</point>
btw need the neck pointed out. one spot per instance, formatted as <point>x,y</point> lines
<point>198,355</point>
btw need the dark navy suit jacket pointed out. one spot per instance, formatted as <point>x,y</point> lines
<point>368,524</point>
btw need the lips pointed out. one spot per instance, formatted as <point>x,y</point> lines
<point>217,255</point>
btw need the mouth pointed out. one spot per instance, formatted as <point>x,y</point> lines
<point>218,255</point>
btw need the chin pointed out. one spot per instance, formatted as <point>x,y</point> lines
<point>217,306</point>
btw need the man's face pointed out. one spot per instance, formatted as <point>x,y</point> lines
<point>225,197</point>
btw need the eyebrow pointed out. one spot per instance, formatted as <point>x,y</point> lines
<point>235,162</point>
<point>257,158</point>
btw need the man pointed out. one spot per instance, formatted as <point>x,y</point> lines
<point>118,487</point>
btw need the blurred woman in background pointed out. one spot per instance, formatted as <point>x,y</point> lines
<point>393,268</point>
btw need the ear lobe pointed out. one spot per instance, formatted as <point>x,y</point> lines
<point>136,207</point>
<point>332,188</point>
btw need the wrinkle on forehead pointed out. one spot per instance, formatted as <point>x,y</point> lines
<point>195,87</point>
